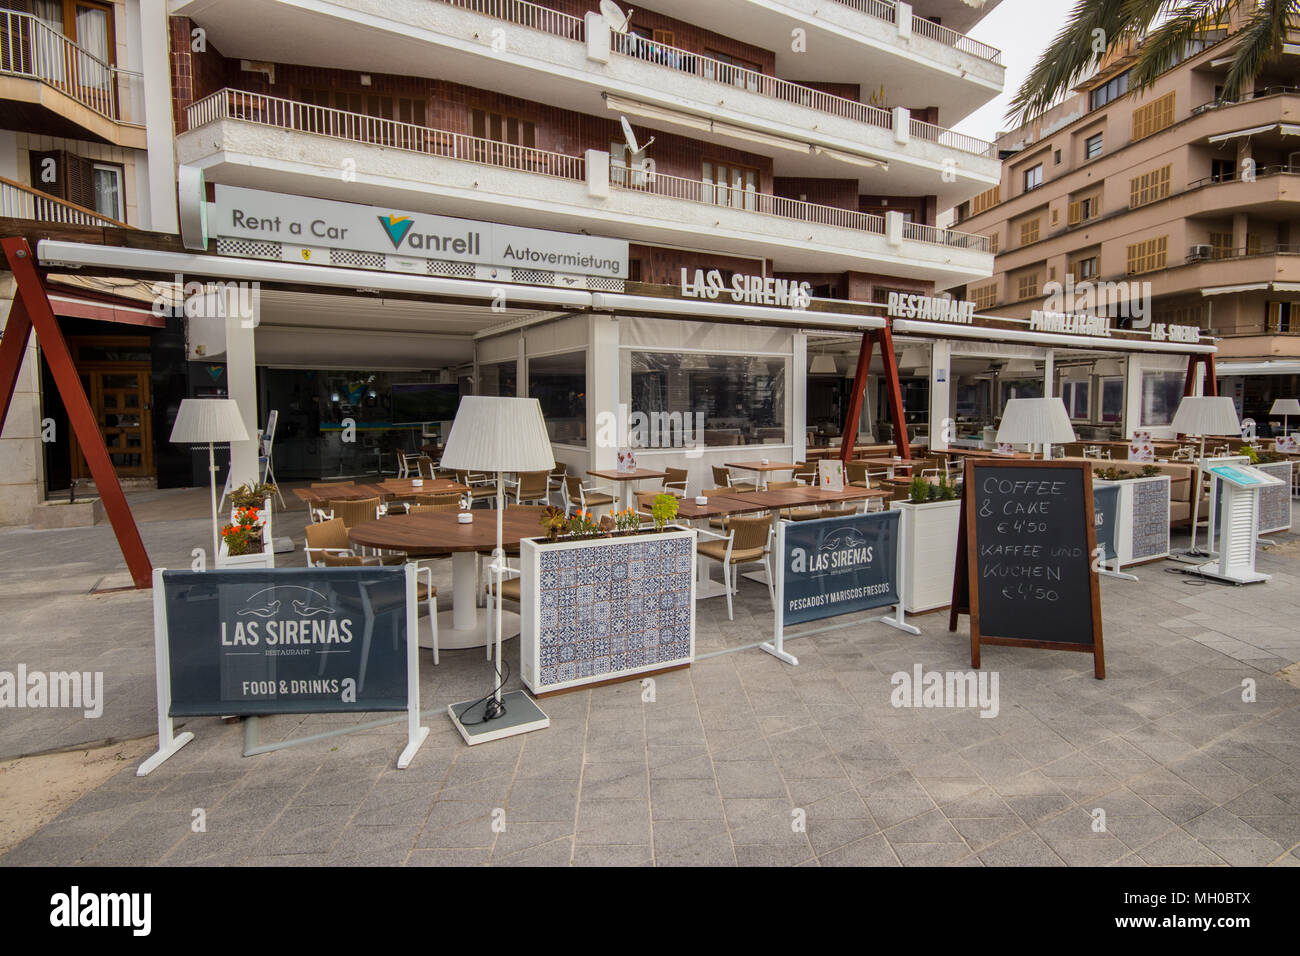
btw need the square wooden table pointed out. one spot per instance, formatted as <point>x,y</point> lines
<point>762,470</point>
<point>889,464</point>
<point>625,480</point>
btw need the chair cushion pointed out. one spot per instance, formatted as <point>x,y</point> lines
<point>717,550</point>
<point>511,589</point>
<point>597,498</point>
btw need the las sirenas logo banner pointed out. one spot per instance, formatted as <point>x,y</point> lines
<point>835,566</point>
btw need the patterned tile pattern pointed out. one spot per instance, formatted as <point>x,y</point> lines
<point>613,607</point>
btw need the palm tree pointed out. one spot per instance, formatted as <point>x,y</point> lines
<point>1097,27</point>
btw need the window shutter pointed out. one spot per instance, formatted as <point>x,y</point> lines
<point>1075,215</point>
<point>42,164</point>
<point>80,181</point>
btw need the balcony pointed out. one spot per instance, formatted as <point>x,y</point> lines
<point>263,142</point>
<point>583,66</point>
<point>49,85</point>
<point>23,202</point>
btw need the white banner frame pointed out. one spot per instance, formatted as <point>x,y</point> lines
<point>169,742</point>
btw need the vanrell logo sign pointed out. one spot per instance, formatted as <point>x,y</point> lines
<point>287,640</point>
<point>835,566</point>
<point>293,222</point>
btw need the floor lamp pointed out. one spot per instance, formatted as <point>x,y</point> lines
<point>1031,421</point>
<point>1198,416</point>
<point>496,434</point>
<point>1286,407</point>
<point>214,421</point>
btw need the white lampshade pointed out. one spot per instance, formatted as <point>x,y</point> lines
<point>1108,367</point>
<point>1206,415</point>
<point>1020,366</point>
<point>1285,406</point>
<point>823,364</point>
<point>493,433</point>
<point>913,357</point>
<point>1035,421</point>
<point>208,420</point>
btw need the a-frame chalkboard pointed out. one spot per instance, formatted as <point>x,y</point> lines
<point>1025,553</point>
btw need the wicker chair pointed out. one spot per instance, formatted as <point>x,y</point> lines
<point>747,541</point>
<point>585,497</point>
<point>674,482</point>
<point>327,546</point>
<point>450,507</point>
<point>480,486</point>
<point>722,476</point>
<point>357,512</point>
<point>533,486</point>
<point>805,472</point>
<point>856,473</point>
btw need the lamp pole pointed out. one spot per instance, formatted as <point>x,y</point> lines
<point>212,487</point>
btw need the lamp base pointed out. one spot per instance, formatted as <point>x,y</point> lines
<point>522,716</point>
<point>1213,571</point>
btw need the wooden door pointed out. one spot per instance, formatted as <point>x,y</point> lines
<point>120,399</point>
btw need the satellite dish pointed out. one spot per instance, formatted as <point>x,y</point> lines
<point>635,151</point>
<point>618,20</point>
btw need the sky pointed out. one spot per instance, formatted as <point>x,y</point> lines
<point>1021,29</point>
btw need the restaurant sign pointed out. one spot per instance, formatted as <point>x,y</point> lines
<point>315,230</point>
<point>931,308</point>
<point>747,289</point>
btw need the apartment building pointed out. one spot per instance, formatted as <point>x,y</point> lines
<point>1168,193</point>
<point>81,144</point>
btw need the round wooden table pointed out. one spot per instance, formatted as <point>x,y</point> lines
<point>432,535</point>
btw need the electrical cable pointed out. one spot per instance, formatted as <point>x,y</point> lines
<point>501,683</point>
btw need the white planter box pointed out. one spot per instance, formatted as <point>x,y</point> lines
<point>1143,530</point>
<point>263,519</point>
<point>928,539</point>
<point>264,560</point>
<point>605,608</point>
<point>1275,500</point>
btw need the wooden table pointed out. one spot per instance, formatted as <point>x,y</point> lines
<point>385,489</point>
<point>343,491</point>
<point>440,534</point>
<point>405,487</point>
<point>625,480</point>
<point>889,464</point>
<point>763,470</point>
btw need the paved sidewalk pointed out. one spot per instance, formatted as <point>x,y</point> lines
<point>739,760</point>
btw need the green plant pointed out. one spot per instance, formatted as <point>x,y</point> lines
<point>244,534</point>
<point>251,497</point>
<point>584,525</point>
<point>919,490</point>
<point>945,491</point>
<point>627,520</point>
<point>663,510</point>
<point>555,522</point>
<point>1150,471</point>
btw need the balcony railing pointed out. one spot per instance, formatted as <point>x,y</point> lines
<point>30,48</point>
<point>23,202</point>
<point>945,237</point>
<point>886,11</point>
<point>529,15</point>
<point>952,139</point>
<point>1245,98</point>
<point>1261,172</point>
<point>631,45</point>
<point>377,131</point>
<point>642,180</point>
<point>1248,252</point>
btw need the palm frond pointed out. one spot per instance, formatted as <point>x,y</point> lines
<point>1168,44</point>
<point>1259,41</point>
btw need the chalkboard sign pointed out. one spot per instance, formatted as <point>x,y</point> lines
<point>286,641</point>
<point>1029,536</point>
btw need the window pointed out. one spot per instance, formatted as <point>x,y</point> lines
<point>1112,90</point>
<point>1027,287</point>
<point>502,128</point>
<point>1085,269</point>
<point>741,397</point>
<point>1161,393</point>
<point>1029,231</point>
<point>1283,317</point>
<point>1223,170</point>
<point>1088,207</point>
<point>985,296</point>
<point>106,179</point>
<point>1148,187</point>
<point>559,383</point>
<point>1033,177</point>
<point>730,185</point>
<point>733,70</point>
<point>1075,393</point>
<point>1155,116</point>
<point>986,200</point>
<point>1221,244</point>
<point>994,238</point>
<point>1112,399</point>
<point>1148,255</point>
<point>1056,158</point>
<point>499,378</point>
<point>1092,146</point>
<point>1020,388</point>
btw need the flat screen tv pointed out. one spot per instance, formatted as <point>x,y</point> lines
<point>415,403</point>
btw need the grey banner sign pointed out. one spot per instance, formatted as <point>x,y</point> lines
<point>286,640</point>
<point>835,566</point>
<point>1105,506</point>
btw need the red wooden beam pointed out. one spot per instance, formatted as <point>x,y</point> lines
<point>894,393</point>
<point>849,435</point>
<point>1211,376</point>
<point>36,312</point>
<point>18,330</point>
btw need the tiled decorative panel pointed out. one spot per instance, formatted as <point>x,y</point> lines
<point>1275,500</point>
<point>1150,536</point>
<point>597,610</point>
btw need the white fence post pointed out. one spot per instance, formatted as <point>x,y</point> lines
<point>597,30</point>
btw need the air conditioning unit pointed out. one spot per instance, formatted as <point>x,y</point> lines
<point>1201,252</point>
